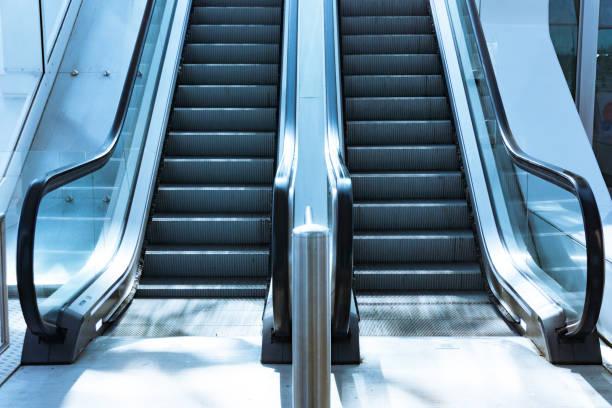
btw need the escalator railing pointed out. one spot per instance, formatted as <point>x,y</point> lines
<point>532,200</point>
<point>73,218</point>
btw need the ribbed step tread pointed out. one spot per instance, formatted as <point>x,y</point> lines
<point>192,170</point>
<point>228,74</point>
<point>213,199</point>
<point>223,119</point>
<point>231,53</point>
<point>237,3</point>
<point>392,64</point>
<point>414,277</point>
<point>389,44</point>
<point>393,85</point>
<point>403,186</point>
<point>364,25</point>
<point>194,288</point>
<point>403,158</point>
<point>236,15</point>
<point>415,246</point>
<point>220,144</point>
<point>209,229</point>
<point>384,8</point>
<point>380,132</point>
<point>397,108</point>
<point>201,261</point>
<point>226,96</point>
<point>411,215</point>
<point>236,34</point>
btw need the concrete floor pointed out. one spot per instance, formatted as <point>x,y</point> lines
<point>396,372</point>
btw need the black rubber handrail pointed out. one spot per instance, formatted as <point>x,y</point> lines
<point>563,178</point>
<point>343,233</point>
<point>58,178</point>
<point>282,200</point>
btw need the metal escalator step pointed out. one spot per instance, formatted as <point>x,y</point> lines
<point>223,119</point>
<point>389,44</point>
<point>386,25</point>
<point>378,132</point>
<point>192,170</point>
<point>209,229</point>
<point>237,3</point>
<point>446,276</point>
<point>230,33</point>
<point>213,199</point>
<point>398,108</point>
<point>220,144</point>
<point>384,8</point>
<point>393,85</point>
<point>392,64</point>
<point>402,186</point>
<point>411,215</point>
<point>225,96</point>
<point>236,15</point>
<point>231,53</point>
<point>194,288</point>
<point>415,246</point>
<point>228,74</point>
<point>402,158</point>
<point>198,261</point>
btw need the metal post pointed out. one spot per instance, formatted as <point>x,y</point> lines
<point>311,318</point>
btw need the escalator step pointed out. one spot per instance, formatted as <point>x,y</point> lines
<point>384,7</point>
<point>195,288</point>
<point>209,229</point>
<point>231,54</point>
<point>237,3</point>
<point>438,277</point>
<point>237,34</point>
<point>411,215</point>
<point>226,96</point>
<point>236,15</point>
<point>389,44</point>
<point>228,74</point>
<point>223,119</point>
<point>193,261</point>
<point>408,108</point>
<point>379,132</point>
<point>392,64</point>
<point>406,186</point>
<point>393,85</point>
<point>213,199</point>
<point>398,158</point>
<point>192,170</point>
<point>364,25</point>
<point>415,246</point>
<point>251,144</point>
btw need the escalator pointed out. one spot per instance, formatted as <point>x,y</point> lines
<point>416,263</point>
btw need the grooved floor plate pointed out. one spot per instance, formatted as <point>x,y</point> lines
<point>10,359</point>
<point>460,315</point>
<point>190,317</point>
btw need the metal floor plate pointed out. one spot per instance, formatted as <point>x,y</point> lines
<point>456,315</point>
<point>190,317</point>
<point>11,358</point>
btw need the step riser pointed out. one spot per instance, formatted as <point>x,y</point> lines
<point>209,200</point>
<point>195,119</point>
<point>191,96</point>
<point>410,187</point>
<point>226,34</point>
<point>409,250</point>
<point>220,144</point>
<point>384,8</point>
<point>423,281</point>
<point>236,15</point>
<point>203,171</point>
<point>393,86</point>
<point>399,133</point>
<point>231,54</point>
<point>392,64</point>
<point>207,265</point>
<point>361,109</point>
<point>411,217</point>
<point>195,231</point>
<point>200,293</point>
<point>395,44</point>
<point>223,74</point>
<point>380,25</point>
<point>408,159</point>
<point>237,3</point>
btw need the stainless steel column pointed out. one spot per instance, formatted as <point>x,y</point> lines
<point>311,326</point>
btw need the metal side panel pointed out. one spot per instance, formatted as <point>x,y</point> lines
<point>87,315</point>
<point>532,312</point>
